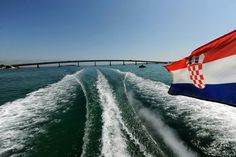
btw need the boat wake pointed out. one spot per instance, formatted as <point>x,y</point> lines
<point>113,142</point>
<point>208,120</point>
<point>124,115</point>
<point>23,119</point>
<point>169,136</point>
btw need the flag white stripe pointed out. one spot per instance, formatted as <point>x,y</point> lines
<point>220,71</point>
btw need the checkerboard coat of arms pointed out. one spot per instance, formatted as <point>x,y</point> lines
<point>194,65</point>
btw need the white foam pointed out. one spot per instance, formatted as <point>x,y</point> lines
<point>113,142</point>
<point>207,118</point>
<point>168,135</point>
<point>142,148</point>
<point>20,120</point>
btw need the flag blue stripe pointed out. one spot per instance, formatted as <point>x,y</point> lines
<point>222,93</point>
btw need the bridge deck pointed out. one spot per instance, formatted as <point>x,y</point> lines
<point>84,61</point>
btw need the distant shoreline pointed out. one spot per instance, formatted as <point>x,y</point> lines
<point>3,67</point>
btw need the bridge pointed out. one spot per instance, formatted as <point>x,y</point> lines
<point>60,63</point>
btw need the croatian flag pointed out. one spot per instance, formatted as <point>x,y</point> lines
<point>209,73</point>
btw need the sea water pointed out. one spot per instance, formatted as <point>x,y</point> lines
<point>110,111</point>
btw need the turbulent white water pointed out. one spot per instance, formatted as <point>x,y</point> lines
<point>20,119</point>
<point>132,101</point>
<point>167,134</point>
<point>25,119</point>
<point>206,118</point>
<point>113,142</point>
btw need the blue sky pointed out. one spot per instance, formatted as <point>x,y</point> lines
<point>110,29</point>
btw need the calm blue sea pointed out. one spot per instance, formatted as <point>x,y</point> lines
<point>108,111</point>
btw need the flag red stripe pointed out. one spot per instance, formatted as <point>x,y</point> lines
<point>222,47</point>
